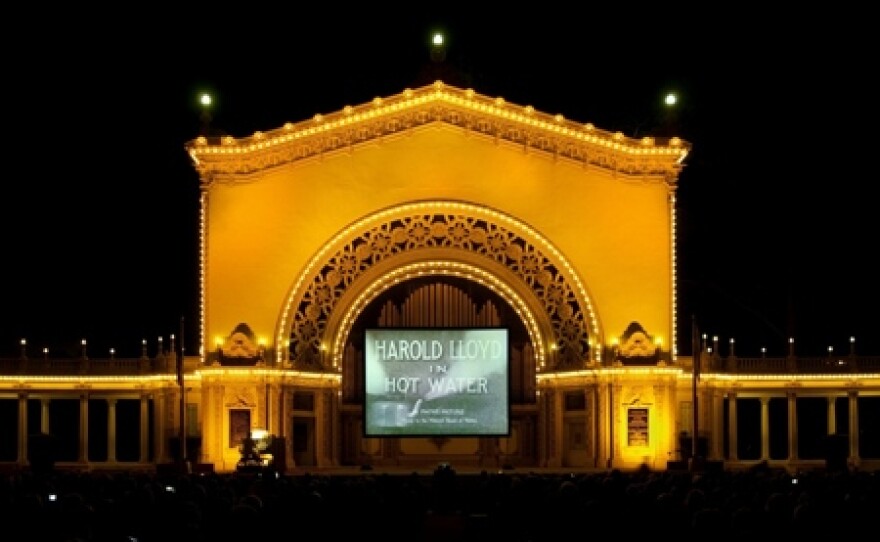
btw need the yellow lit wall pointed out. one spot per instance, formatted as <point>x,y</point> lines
<point>263,228</point>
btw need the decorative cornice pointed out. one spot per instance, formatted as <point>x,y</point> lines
<point>229,159</point>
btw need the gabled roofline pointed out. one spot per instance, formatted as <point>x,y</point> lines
<point>554,135</point>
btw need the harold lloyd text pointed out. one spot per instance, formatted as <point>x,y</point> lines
<point>433,350</point>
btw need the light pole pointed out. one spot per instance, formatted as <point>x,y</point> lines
<point>438,47</point>
<point>669,120</point>
<point>181,383</point>
<point>205,101</point>
<point>697,354</point>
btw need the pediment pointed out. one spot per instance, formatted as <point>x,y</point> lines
<point>228,158</point>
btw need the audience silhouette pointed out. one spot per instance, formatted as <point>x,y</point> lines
<point>527,506</point>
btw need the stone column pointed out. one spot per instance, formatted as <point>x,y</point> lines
<point>765,428</point>
<point>44,416</point>
<point>554,427</point>
<point>83,455</point>
<point>832,415</point>
<point>212,422</point>
<point>111,430</point>
<point>287,424</point>
<point>273,421</point>
<point>618,431</point>
<point>854,427</point>
<point>144,454</point>
<point>733,452</point>
<point>22,429</point>
<point>716,441</point>
<point>323,432</point>
<point>159,427</point>
<point>792,426</point>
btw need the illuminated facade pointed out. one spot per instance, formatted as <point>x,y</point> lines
<point>440,207</point>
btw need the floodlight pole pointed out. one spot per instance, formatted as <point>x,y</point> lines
<point>182,385</point>
<point>205,100</point>
<point>695,370</point>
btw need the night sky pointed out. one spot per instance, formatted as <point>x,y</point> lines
<point>777,220</point>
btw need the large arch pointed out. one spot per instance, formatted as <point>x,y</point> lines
<point>438,236</point>
<point>415,266</point>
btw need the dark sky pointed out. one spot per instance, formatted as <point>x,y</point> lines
<point>777,220</point>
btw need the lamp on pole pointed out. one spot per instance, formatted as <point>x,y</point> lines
<point>669,116</point>
<point>438,47</point>
<point>181,384</point>
<point>205,101</point>
<point>697,354</point>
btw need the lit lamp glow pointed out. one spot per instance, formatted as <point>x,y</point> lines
<point>261,344</point>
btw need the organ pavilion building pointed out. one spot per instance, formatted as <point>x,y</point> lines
<point>440,276</point>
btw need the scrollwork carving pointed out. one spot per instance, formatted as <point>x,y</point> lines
<point>439,230</point>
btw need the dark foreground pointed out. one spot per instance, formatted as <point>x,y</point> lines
<point>439,505</point>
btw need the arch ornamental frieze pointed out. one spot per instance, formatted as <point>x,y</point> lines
<point>459,238</point>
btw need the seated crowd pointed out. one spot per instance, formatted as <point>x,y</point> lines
<point>442,505</point>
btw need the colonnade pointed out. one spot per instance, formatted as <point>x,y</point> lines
<point>160,427</point>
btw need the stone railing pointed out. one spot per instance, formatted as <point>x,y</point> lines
<point>792,364</point>
<point>46,366</point>
<point>167,364</point>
